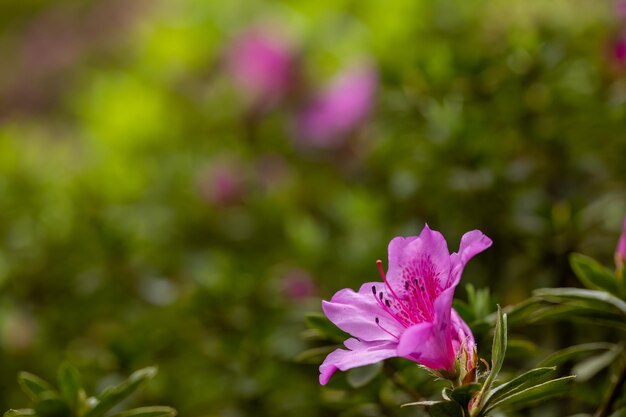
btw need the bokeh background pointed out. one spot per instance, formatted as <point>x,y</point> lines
<point>182,180</point>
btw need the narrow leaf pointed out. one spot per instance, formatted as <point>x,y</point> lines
<point>155,411</point>
<point>532,377</point>
<point>498,350</point>
<point>421,404</point>
<point>464,394</point>
<point>20,412</point>
<point>113,395</point>
<point>34,386</point>
<point>592,274</point>
<point>600,299</point>
<point>446,409</point>
<point>53,407</point>
<point>70,385</point>
<point>588,368</point>
<point>325,327</point>
<point>534,395</point>
<point>562,356</point>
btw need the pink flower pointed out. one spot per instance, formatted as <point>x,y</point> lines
<point>298,284</point>
<point>261,64</point>
<point>340,109</point>
<point>619,49</point>
<point>620,250</point>
<point>620,8</point>
<point>223,183</point>
<point>410,313</point>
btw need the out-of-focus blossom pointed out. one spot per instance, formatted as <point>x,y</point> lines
<point>262,64</point>
<point>410,313</point>
<point>57,41</point>
<point>298,284</point>
<point>338,110</point>
<point>222,184</point>
<point>620,8</point>
<point>620,251</point>
<point>619,49</point>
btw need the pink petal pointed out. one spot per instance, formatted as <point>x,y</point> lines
<point>437,251</point>
<point>620,250</point>
<point>339,109</point>
<point>356,312</point>
<point>360,354</point>
<point>416,340</point>
<point>461,333</point>
<point>430,343</point>
<point>425,257</point>
<point>472,243</point>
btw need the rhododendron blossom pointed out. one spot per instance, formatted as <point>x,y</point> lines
<point>338,110</point>
<point>410,313</point>
<point>620,250</point>
<point>262,64</point>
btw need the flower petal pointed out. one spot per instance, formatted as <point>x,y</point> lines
<point>424,258</point>
<point>416,340</point>
<point>620,250</point>
<point>461,333</point>
<point>356,313</point>
<point>360,354</point>
<point>472,243</point>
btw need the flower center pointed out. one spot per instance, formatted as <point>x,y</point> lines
<point>418,290</point>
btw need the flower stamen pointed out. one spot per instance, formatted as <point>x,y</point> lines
<point>385,330</point>
<point>379,264</point>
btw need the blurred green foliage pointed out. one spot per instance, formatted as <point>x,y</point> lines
<point>503,115</point>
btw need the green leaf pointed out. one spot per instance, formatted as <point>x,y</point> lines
<point>314,355</point>
<point>440,408</point>
<point>361,376</point>
<point>53,407</point>
<point>600,300</point>
<point>70,385</point>
<point>592,274</point>
<point>113,395</point>
<point>562,356</point>
<point>462,395</point>
<point>20,412</point>
<point>588,368</point>
<point>325,327</point>
<point>155,411</point>
<point>35,387</point>
<point>498,350</point>
<point>532,377</point>
<point>533,395</point>
<point>446,409</point>
<point>421,404</point>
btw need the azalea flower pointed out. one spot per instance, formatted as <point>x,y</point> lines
<point>262,64</point>
<point>410,313</point>
<point>339,109</point>
<point>620,250</point>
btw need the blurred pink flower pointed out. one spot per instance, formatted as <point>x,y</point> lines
<point>410,313</point>
<point>620,8</point>
<point>338,110</point>
<point>298,284</point>
<point>222,184</point>
<point>261,64</point>
<point>619,49</point>
<point>620,250</point>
